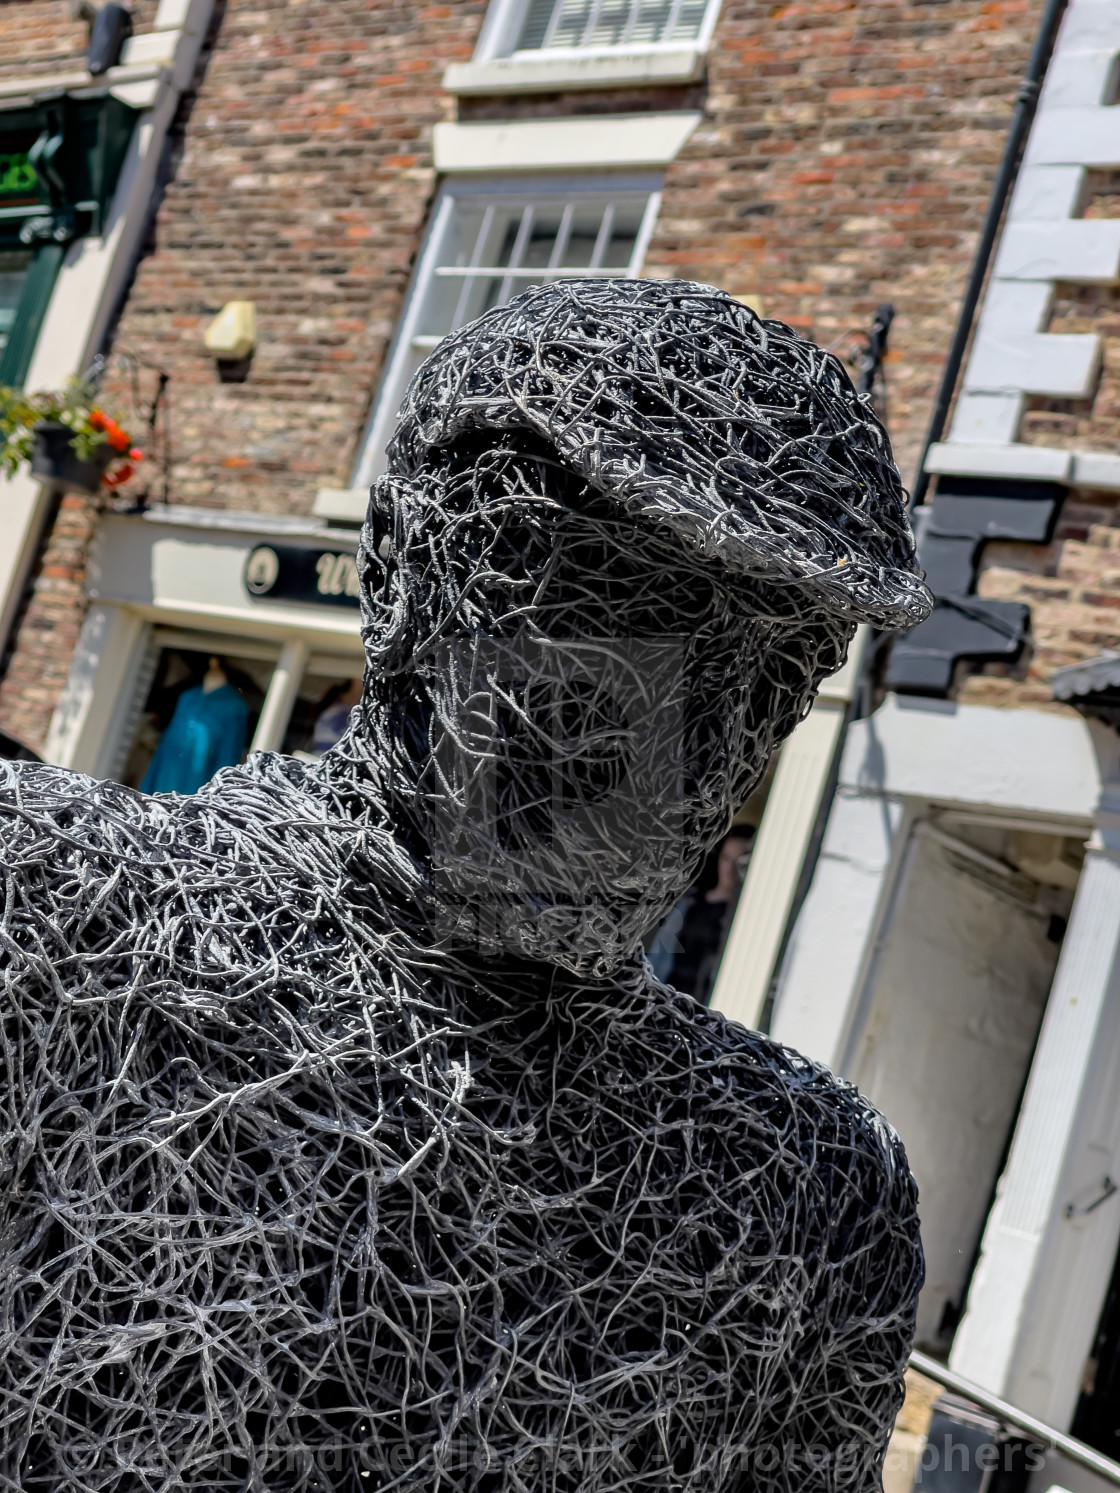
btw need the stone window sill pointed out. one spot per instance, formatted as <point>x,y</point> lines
<point>564,71</point>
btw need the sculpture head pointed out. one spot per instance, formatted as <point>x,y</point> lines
<point>626,530</point>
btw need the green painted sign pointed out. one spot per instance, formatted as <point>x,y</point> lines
<point>17,175</point>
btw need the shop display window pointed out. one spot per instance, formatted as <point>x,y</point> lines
<point>14,265</point>
<point>197,700</point>
<point>199,714</point>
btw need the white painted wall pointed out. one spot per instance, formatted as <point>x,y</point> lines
<point>1018,761</point>
<point>1040,1282</point>
<point>1037,1292</point>
<point>958,993</point>
<point>1026,765</point>
<point>789,822</point>
<point>167,567</point>
<point>603,142</point>
<point>832,938</point>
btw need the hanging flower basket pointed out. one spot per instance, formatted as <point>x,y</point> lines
<point>64,440</point>
<point>54,460</point>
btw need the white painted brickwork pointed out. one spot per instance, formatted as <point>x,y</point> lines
<point>1044,241</point>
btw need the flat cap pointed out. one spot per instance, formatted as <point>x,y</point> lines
<point>678,402</point>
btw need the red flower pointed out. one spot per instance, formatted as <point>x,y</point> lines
<point>116,478</point>
<point>136,454</point>
<point>117,438</point>
<point>97,421</point>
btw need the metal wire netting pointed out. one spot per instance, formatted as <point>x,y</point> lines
<point>346,1141</point>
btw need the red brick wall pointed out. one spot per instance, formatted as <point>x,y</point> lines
<point>49,626</point>
<point>302,185</point>
<point>845,158</point>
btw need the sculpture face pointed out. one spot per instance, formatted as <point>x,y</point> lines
<point>625,532</point>
<point>593,736</point>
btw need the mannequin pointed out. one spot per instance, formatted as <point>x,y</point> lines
<point>686,949</point>
<point>207,731</point>
<point>214,677</point>
<point>331,721</point>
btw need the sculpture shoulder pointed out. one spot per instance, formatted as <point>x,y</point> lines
<point>753,1093</point>
<point>241,819</point>
<point>51,818</point>
<point>85,859</point>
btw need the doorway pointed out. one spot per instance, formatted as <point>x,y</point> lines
<point>957,993</point>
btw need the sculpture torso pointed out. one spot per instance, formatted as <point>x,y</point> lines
<point>291,1198</point>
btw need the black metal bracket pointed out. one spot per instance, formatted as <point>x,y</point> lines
<point>966,514</point>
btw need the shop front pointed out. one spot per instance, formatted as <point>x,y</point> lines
<point>209,635</point>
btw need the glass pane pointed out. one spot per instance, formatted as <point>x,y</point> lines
<point>650,19</point>
<point>689,21</point>
<point>496,250</point>
<point>609,23</point>
<point>584,236</point>
<point>568,23</point>
<point>322,709</point>
<point>13,272</point>
<point>609,27</point>
<point>512,227</point>
<point>624,235</point>
<point>542,240</point>
<point>536,24</point>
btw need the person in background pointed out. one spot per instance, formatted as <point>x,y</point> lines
<point>333,715</point>
<point>685,951</point>
<point>207,731</point>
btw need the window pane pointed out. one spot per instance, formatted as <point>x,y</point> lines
<point>483,251</point>
<point>609,23</point>
<point>493,250</point>
<point>13,272</point>
<point>689,21</point>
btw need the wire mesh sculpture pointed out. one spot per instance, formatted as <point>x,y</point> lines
<point>347,1141</point>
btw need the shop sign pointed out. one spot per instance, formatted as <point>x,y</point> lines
<point>289,572</point>
<point>17,176</point>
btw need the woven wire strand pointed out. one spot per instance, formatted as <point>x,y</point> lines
<point>347,1141</point>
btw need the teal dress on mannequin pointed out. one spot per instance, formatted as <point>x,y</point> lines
<point>206,732</point>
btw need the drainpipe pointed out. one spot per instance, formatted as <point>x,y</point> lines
<point>1025,105</point>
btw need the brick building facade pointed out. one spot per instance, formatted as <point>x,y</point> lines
<point>844,158</point>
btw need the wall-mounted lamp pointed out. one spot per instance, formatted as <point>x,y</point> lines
<point>231,338</point>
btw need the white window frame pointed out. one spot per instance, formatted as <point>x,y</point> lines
<point>505,19</point>
<point>499,67</point>
<point>408,340</point>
